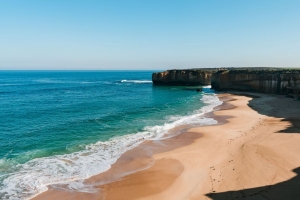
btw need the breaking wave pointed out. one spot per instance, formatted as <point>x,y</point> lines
<point>32,178</point>
<point>136,81</point>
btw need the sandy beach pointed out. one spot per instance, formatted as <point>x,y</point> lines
<point>253,153</point>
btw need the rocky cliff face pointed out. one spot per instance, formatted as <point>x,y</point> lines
<point>182,77</point>
<point>266,81</point>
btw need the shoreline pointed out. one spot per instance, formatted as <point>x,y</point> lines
<point>203,162</point>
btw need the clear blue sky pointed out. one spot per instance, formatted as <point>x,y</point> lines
<point>148,34</point>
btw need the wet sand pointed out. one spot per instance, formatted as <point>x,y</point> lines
<point>254,149</point>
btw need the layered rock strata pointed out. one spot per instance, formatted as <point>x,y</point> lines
<point>265,81</point>
<point>183,77</point>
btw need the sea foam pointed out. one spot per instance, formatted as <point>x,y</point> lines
<point>136,81</point>
<point>32,178</point>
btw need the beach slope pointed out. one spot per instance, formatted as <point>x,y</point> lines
<point>253,153</point>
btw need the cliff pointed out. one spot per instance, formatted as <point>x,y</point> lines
<point>265,80</point>
<point>280,81</point>
<point>183,77</point>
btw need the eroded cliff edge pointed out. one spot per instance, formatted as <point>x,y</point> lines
<point>183,77</point>
<point>280,81</point>
<point>265,80</point>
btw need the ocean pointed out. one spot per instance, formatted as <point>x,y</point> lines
<point>64,126</point>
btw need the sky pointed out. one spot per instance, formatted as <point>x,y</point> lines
<point>148,34</point>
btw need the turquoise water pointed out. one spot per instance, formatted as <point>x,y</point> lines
<point>58,126</point>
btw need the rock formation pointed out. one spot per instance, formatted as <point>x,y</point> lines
<point>183,77</point>
<point>265,80</point>
<point>280,81</point>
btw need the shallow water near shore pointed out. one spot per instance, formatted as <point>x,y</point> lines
<point>58,127</point>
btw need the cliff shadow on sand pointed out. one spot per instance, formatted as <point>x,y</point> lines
<point>284,190</point>
<point>279,106</point>
<point>287,109</point>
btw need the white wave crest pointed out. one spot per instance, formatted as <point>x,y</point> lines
<point>207,86</point>
<point>32,178</point>
<point>136,81</point>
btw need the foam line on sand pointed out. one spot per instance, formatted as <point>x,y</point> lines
<point>252,154</point>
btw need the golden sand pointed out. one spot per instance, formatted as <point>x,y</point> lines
<point>253,153</point>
